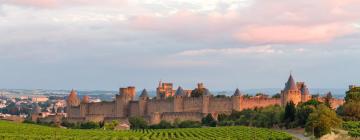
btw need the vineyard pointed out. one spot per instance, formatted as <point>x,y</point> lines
<point>16,131</point>
<point>353,128</point>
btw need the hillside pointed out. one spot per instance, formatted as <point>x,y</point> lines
<point>11,130</point>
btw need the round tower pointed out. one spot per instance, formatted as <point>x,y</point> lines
<point>290,92</point>
<point>143,102</point>
<point>85,99</point>
<point>73,99</point>
<point>236,100</point>
<point>205,100</point>
<point>178,99</point>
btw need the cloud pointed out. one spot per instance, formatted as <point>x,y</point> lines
<point>291,22</point>
<point>293,34</point>
<point>267,49</point>
<point>32,3</point>
<point>55,4</point>
<point>357,25</point>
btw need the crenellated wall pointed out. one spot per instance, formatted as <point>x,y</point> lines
<point>220,105</point>
<point>192,104</point>
<point>106,109</point>
<point>159,106</point>
<point>250,103</point>
<point>334,102</point>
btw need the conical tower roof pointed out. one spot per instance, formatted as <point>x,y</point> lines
<point>73,99</point>
<point>85,99</point>
<point>144,93</point>
<point>180,91</point>
<point>237,92</point>
<point>290,84</point>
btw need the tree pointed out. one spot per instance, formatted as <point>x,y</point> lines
<point>247,96</point>
<point>322,121</point>
<point>209,120</point>
<point>111,125</point>
<point>162,125</point>
<point>290,114</point>
<point>351,108</point>
<point>176,123</point>
<point>220,96</point>
<point>353,95</point>
<point>222,117</point>
<point>137,123</point>
<point>312,102</point>
<point>290,111</point>
<point>189,124</point>
<point>197,92</point>
<point>89,125</point>
<point>302,113</point>
<point>270,116</point>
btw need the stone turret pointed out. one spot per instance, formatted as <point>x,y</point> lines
<point>237,92</point>
<point>143,98</point>
<point>236,100</point>
<point>305,94</point>
<point>84,105</point>
<point>73,99</point>
<point>85,100</point>
<point>205,99</point>
<point>178,99</point>
<point>126,95</point>
<point>290,92</point>
<point>144,94</point>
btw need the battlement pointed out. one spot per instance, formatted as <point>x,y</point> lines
<point>128,91</point>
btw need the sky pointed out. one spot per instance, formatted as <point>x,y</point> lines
<point>107,44</point>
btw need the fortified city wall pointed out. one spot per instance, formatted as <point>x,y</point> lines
<point>169,105</point>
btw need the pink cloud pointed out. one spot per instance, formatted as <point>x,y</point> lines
<point>292,33</point>
<point>272,21</point>
<point>63,3</point>
<point>34,3</point>
<point>269,21</point>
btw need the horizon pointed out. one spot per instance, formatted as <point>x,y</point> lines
<point>225,44</point>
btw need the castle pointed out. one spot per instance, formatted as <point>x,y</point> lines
<point>170,104</point>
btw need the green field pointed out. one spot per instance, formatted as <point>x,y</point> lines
<point>19,131</point>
